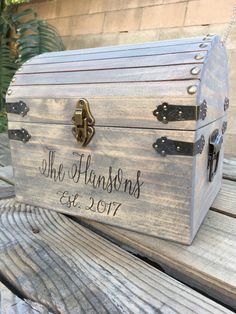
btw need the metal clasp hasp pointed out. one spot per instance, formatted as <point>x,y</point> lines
<point>83,121</point>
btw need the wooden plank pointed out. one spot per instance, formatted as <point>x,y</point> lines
<point>106,184</point>
<point>5,154</point>
<point>208,264</point>
<point>6,182</point>
<point>142,74</point>
<point>226,201</point>
<point>165,43</point>
<point>103,55</point>
<point>139,89</point>
<point>230,168</point>
<point>61,265</point>
<point>107,111</point>
<point>11,304</point>
<point>139,61</point>
<point>103,173</point>
<point>214,84</point>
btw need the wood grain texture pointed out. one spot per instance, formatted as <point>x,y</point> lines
<point>69,269</point>
<point>167,213</point>
<point>11,304</point>
<point>165,43</point>
<point>230,168</point>
<point>214,83</point>
<point>138,89</point>
<point>116,63</point>
<point>226,201</point>
<point>194,48</point>
<point>108,111</point>
<point>76,79</point>
<point>5,154</point>
<point>141,74</point>
<point>208,264</point>
<point>119,155</point>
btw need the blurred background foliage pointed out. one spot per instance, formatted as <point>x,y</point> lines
<point>22,36</point>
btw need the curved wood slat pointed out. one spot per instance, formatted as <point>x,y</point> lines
<point>134,62</point>
<point>158,51</point>
<point>164,43</point>
<point>141,74</point>
<point>137,89</point>
<point>63,266</point>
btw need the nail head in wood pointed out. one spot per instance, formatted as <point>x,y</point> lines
<point>192,89</point>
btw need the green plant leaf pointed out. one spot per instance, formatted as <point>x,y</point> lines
<point>7,69</point>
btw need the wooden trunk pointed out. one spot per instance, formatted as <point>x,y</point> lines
<point>154,164</point>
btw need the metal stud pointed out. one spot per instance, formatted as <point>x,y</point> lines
<point>192,89</point>
<point>180,113</point>
<point>9,92</point>
<point>203,45</point>
<point>163,141</point>
<point>198,56</point>
<point>195,71</point>
<point>178,149</point>
<point>163,153</point>
<point>164,118</point>
<point>165,107</point>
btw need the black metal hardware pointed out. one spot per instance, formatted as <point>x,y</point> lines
<point>226,103</point>
<point>19,135</point>
<point>224,127</point>
<point>215,143</point>
<point>165,146</point>
<point>17,107</point>
<point>166,112</point>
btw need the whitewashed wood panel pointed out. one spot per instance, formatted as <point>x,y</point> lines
<point>116,63</point>
<point>141,74</point>
<point>165,43</point>
<point>167,212</point>
<point>128,154</point>
<point>103,55</point>
<point>134,90</point>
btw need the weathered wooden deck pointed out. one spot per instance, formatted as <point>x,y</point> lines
<point>50,263</point>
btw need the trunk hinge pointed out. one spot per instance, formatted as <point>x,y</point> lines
<point>165,146</point>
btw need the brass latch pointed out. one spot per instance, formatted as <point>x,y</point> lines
<point>83,121</point>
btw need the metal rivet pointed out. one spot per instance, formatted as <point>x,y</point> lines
<point>203,45</point>
<point>180,113</point>
<point>9,92</point>
<point>165,107</point>
<point>199,57</point>
<point>164,118</point>
<point>178,148</point>
<point>192,89</point>
<point>195,70</point>
<point>156,112</point>
<point>163,152</point>
<point>163,141</point>
<point>155,145</point>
